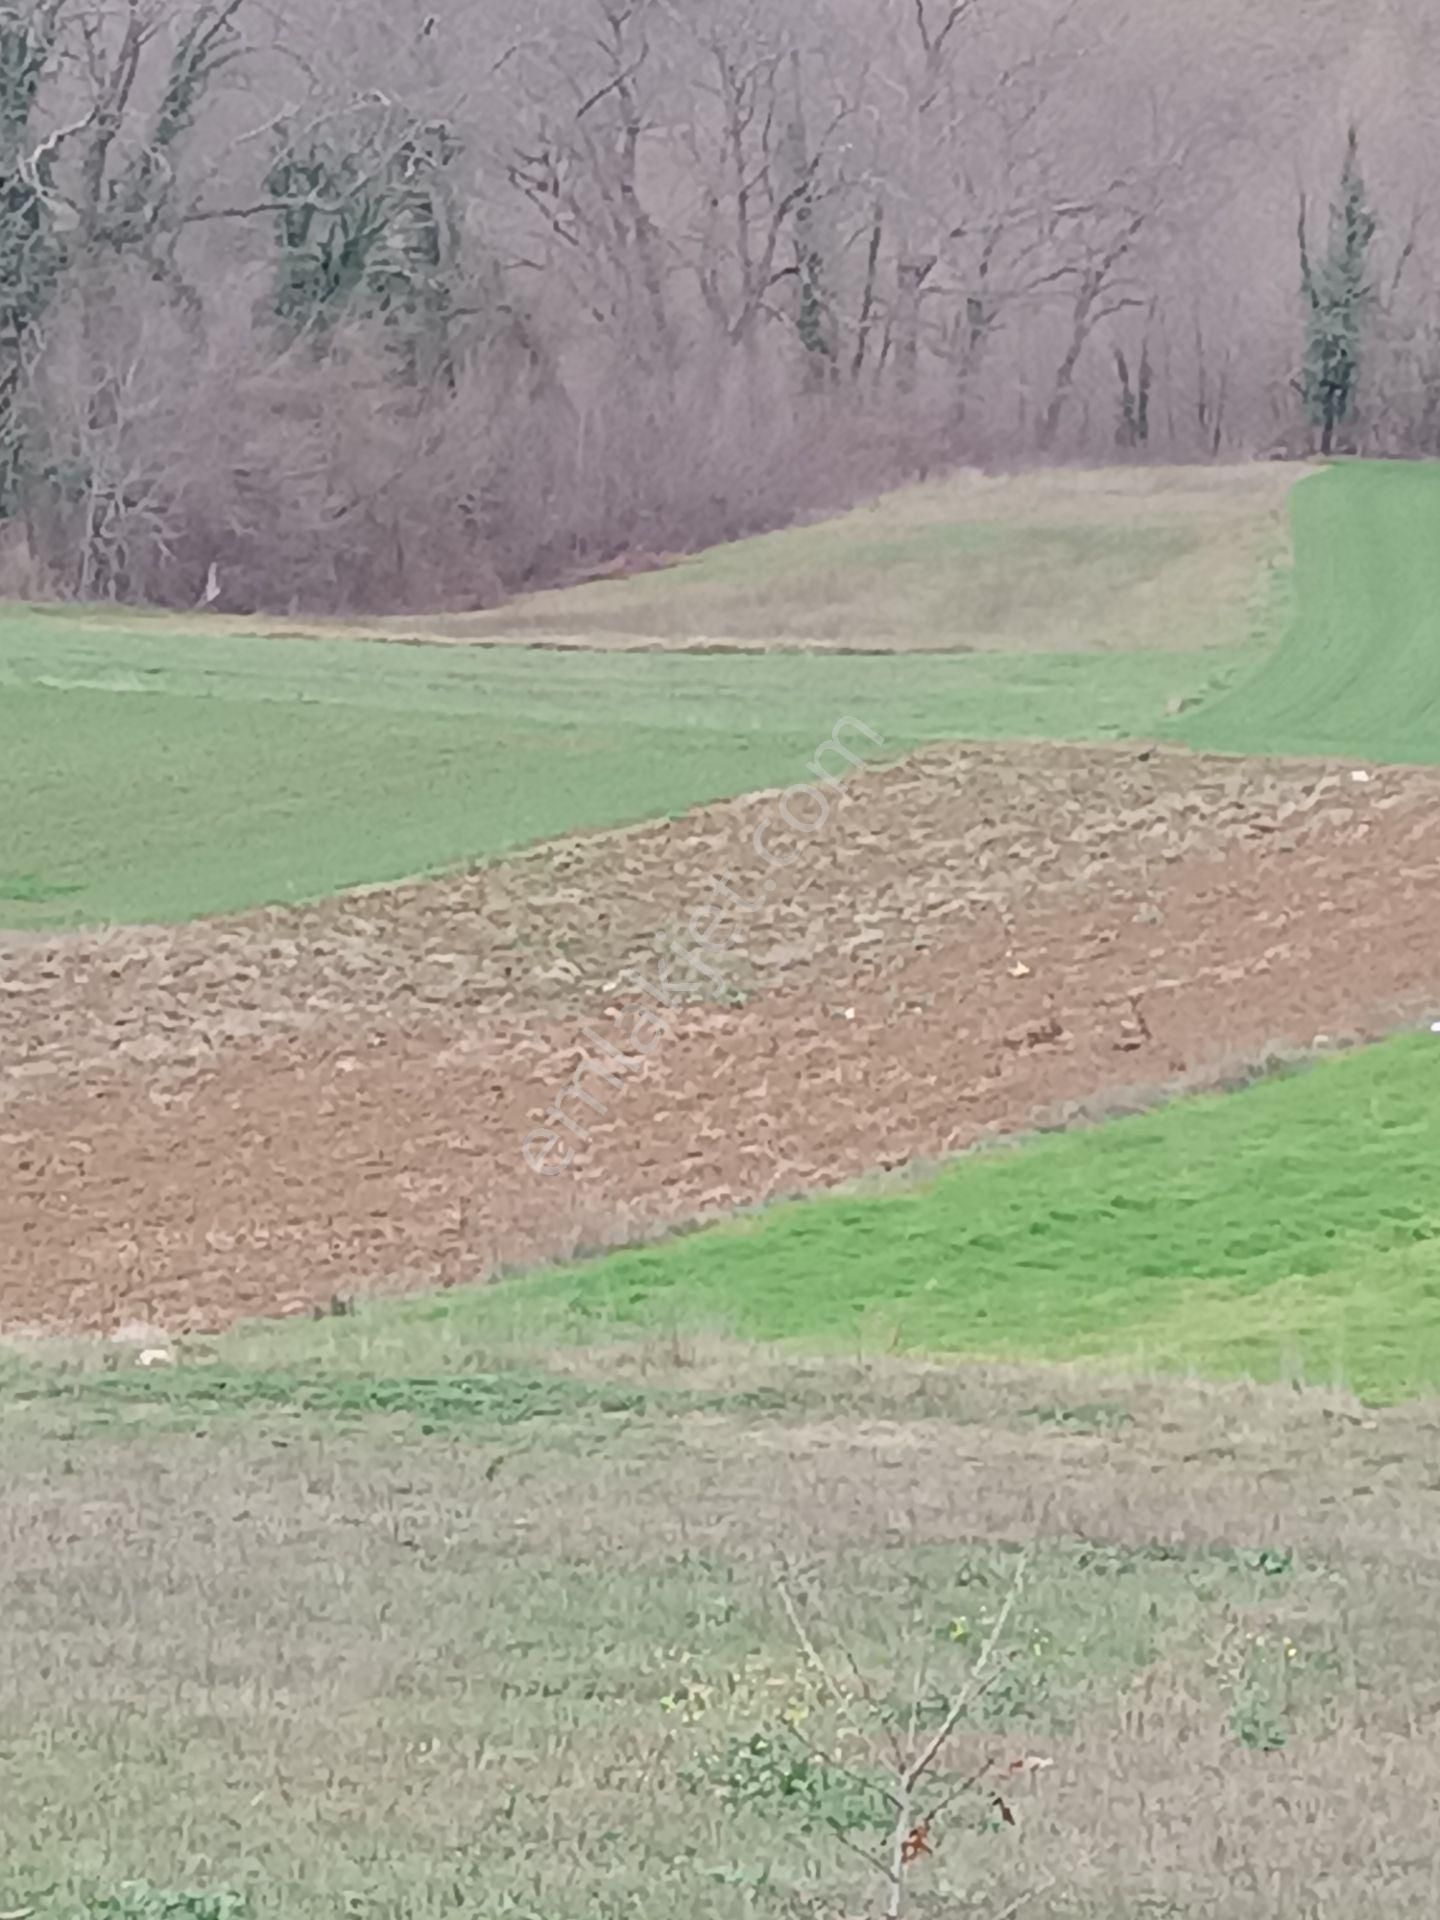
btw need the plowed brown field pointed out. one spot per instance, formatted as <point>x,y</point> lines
<point>250,1117</point>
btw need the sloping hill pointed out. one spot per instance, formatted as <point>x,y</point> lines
<point>1358,672</point>
<point>156,769</point>
<point>1064,561</point>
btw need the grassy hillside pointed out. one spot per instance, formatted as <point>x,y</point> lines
<point>148,772</point>
<point>1063,561</point>
<point>1358,673</point>
<point>151,774</point>
<point>1290,1231</point>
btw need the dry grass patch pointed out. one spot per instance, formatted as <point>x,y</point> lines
<point>506,1642</point>
<point>1105,559</point>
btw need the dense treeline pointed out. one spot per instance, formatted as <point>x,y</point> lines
<point>367,303</point>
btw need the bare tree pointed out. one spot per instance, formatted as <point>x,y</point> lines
<point>639,274</point>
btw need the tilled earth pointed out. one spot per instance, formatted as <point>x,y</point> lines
<point>257,1115</point>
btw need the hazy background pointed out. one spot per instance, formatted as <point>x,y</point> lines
<point>405,303</point>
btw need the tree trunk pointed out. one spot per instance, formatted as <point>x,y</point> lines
<point>910,276</point>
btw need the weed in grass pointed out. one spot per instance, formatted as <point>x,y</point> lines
<point>1258,1673</point>
<point>31,889</point>
<point>838,1756</point>
<point>774,1773</point>
<point>202,1394</point>
<point>1099,1417</point>
<point>140,1901</point>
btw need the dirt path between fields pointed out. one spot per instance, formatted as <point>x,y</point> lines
<point>253,1116</point>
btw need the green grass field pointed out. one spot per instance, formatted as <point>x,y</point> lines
<point>149,776</point>
<point>1288,1232</point>
<point>154,772</point>
<point>1358,673</point>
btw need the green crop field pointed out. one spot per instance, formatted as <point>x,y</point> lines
<point>154,777</point>
<point>154,772</point>
<point>1291,1231</point>
<point>1358,672</point>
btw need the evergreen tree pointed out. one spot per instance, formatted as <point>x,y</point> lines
<point>1338,293</point>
